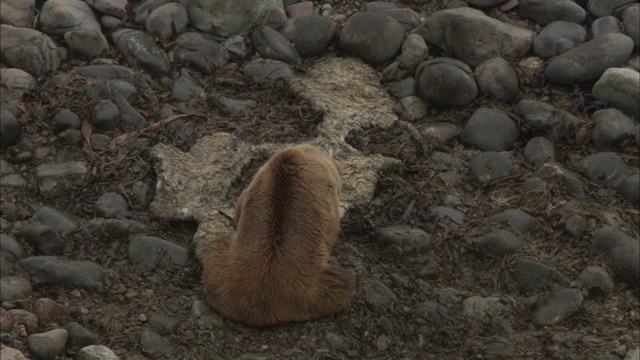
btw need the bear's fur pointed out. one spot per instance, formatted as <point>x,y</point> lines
<point>274,268</point>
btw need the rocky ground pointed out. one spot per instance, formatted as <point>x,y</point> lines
<point>491,189</point>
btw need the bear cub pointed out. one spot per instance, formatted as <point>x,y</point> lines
<point>274,268</point>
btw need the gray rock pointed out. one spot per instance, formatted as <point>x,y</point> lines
<point>105,115</point>
<point>611,128</point>
<point>362,40</point>
<point>555,172</point>
<point>310,34</point>
<point>115,8</point>
<point>600,8</point>
<point>498,243</point>
<point>450,29</point>
<point>414,50</point>
<point>86,42</point>
<point>28,319</point>
<point>154,345</point>
<point>163,324</point>
<point>630,188</point>
<point>621,89</point>
<point>480,308</point>
<point>13,180</point>
<point>205,316</point>
<point>408,18</point>
<point>28,50</point>
<point>266,70</point>
<point>605,25</point>
<point>100,142</point>
<point>186,90</point>
<point>43,238</point>
<point>15,83</point>
<point>631,19</point>
<point>402,88</point>
<point>130,117</point>
<point>14,288</point>
<point>232,107</point>
<point>407,238</point>
<point>448,214</point>
<point>141,51</point>
<point>633,353</point>
<point>544,12</point>
<point>275,18</point>
<point>485,3</point>
<point>273,45</point>
<point>67,274</point>
<point>47,345</point>
<point>622,251</point>
<point>19,13</point>
<point>55,219</point>
<point>66,119</point>
<point>489,166</point>
<point>445,82</point>
<point>97,352</point>
<point>11,252</point>
<point>55,180</point>
<point>434,313</point>
<point>518,221</point>
<point>60,16</point>
<point>557,38</point>
<point>378,295</point>
<point>440,132</point>
<point>496,78</point>
<point>533,187</point>
<point>529,274</point>
<point>412,108</point>
<point>147,6</point>
<point>582,63</point>
<point>10,129</point>
<point>149,249</point>
<point>560,306</point>
<point>489,130</point>
<point>606,169</point>
<point>595,279</point>
<point>200,53</point>
<point>543,116</point>
<point>167,21</point>
<point>111,205</point>
<point>79,336</point>
<point>115,228</point>
<point>236,45</point>
<point>224,18</point>
<point>575,226</point>
<point>539,150</point>
<point>394,72</point>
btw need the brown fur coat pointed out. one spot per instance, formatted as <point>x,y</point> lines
<point>274,268</point>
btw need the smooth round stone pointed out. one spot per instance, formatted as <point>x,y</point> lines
<point>488,167</point>
<point>621,89</point>
<point>440,132</point>
<point>607,169</point>
<point>497,78</point>
<point>630,188</point>
<point>141,51</point>
<point>362,40</point>
<point>167,21</point>
<point>412,108</point>
<point>529,274</point>
<point>405,237</point>
<point>10,129</point>
<point>414,50</point>
<point>498,243</point>
<point>402,88</point>
<point>631,19</point>
<point>66,119</point>
<point>548,11</point>
<point>185,90</point>
<point>600,8</point>
<point>204,54</point>
<point>518,221</point>
<point>560,306</point>
<point>378,295</point>
<point>310,34</point>
<point>265,70</point>
<point>612,126</point>
<point>489,130</point>
<point>557,38</point>
<point>275,18</point>
<point>605,25</point>
<point>111,205</point>
<point>14,288</point>
<point>49,344</point>
<point>595,278</point>
<point>87,42</point>
<point>575,226</point>
<point>29,50</point>
<point>445,82</point>
<point>539,150</point>
<point>273,45</point>
<point>97,352</point>
<point>105,115</point>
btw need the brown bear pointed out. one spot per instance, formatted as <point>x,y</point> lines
<point>274,268</point>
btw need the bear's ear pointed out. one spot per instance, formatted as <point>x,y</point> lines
<point>339,166</point>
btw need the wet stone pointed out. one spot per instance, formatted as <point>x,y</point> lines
<point>378,295</point>
<point>498,243</point>
<point>163,324</point>
<point>516,220</point>
<point>79,336</point>
<point>14,288</point>
<point>405,237</point>
<point>560,306</point>
<point>73,274</point>
<point>489,130</point>
<point>595,279</point>
<point>56,180</point>
<point>489,166</point>
<point>43,238</point>
<point>529,274</point>
<point>49,344</point>
<point>97,352</point>
<point>149,249</point>
<point>575,226</point>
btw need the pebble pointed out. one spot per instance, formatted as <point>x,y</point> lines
<point>100,142</point>
<point>163,324</point>
<point>517,220</point>
<point>600,8</point>
<point>87,42</point>
<point>18,13</point>
<point>154,345</point>
<point>267,70</point>
<point>558,307</point>
<point>10,129</point>
<point>575,226</point>
<point>74,274</point>
<point>620,88</point>
<point>440,132</point>
<point>26,318</point>
<point>539,150</point>
<point>414,50</point>
<point>631,18</point>
<point>378,295</point>
<point>382,342</point>
<point>273,45</point>
<point>545,12</point>
<point>49,311</point>
<point>232,107</point>
<point>556,173</point>
<point>446,82</point>
<point>595,279</point>
<point>7,353</point>
<point>407,238</point>
<point>55,219</point>
<point>489,166</point>
<point>105,115</point>
<point>432,312</point>
<point>141,51</point>
<point>56,180</point>
<point>14,288</point>
<point>606,169</point>
<point>221,19</point>
<point>47,345</point>
<point>498,243</point>
<point>149,249</point>
<point>630,188</point>
<point>13,180</point>
<point>497,78</point>
<point>310,34</point>
<point>412,108</point>
<point>205,316</point>
<point>97,352</point>
<point>201,53</point>
<point>489,130</point>
<point>447,214</point>
<point>621,250</point>
<point>612,126</point>
<point>79,336</point>
<point>58,17</point>
<point>605,25</point>
<point>360,39</point>
<point>529,274</point>
<point>402,88</point>
<point>237,46</point>
<point>480,308</point>
<point>557,38</point>
<point>115,228</point>
<point>167,21</point>
<point>43,238</point>
<point>115,8</point>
